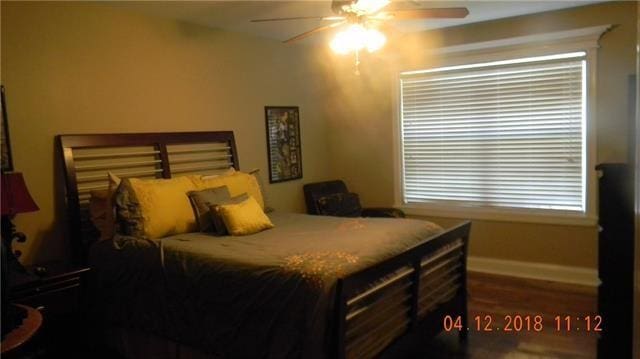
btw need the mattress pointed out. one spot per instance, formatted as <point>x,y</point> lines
<point>267,295</point>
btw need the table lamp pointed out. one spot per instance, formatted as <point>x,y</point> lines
<point>15,199</point>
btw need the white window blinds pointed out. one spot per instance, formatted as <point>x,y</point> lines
<point>500,134</point>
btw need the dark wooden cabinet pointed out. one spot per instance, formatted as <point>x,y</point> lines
<point>59,294</point>
<point>615,260</point>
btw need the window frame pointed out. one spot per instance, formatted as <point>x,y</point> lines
<point>586,40</point>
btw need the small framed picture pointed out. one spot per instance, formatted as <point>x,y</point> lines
<point>7,161</point>
<point>283,143</point>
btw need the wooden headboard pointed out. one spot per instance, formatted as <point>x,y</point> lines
<point>88,158</point>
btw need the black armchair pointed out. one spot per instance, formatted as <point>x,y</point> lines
<point>332,198</point>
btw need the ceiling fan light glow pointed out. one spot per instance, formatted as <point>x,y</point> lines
<point>351,39</point>
<point>355,38</point>
<point>339,45</point>
<point>375,40</point>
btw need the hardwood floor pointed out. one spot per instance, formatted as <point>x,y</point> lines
<point>497,297</point>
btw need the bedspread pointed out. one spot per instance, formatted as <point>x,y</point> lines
<point>267,295</point>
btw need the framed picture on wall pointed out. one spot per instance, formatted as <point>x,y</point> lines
<point>7,161</point>
<point>283,143</point>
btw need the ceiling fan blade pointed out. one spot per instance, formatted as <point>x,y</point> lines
<point>328,18</point>
<point>314,31</point>
<point>436,13</point>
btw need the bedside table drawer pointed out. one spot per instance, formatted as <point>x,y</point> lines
<point>43,287</point>
<point>54,302</point>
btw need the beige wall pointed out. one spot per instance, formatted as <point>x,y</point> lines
<point>361,130</point>
<point>82,68</point>
<point>89,68</point>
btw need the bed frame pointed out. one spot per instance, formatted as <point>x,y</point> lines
<point>385,310</point>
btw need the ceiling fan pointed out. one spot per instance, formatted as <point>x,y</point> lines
<point>362,19</point>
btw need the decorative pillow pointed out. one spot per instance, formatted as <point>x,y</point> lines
<point>202,202</point>
<point>98,207</point>
<point>340,205</point>
<point>110,217</point>
<point>244,218</point>
<point>155,208</point>
<point>219,228</point>
<point>128,216</point>
<point>237,183</point>
<point>101,208</point>
<point>265,195</point>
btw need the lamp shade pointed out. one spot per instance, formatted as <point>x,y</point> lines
<point>15,195</point>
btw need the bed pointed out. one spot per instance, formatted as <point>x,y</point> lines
<point>312,287</point>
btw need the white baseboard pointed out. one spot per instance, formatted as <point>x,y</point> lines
<point>533,270</point>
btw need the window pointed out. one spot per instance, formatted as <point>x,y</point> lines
<point>505,135</point>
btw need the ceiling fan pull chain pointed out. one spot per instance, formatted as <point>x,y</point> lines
<point>357,72</point>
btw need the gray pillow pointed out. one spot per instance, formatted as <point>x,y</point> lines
<point>202,202</point>
<point>218,223</point>
<point>265,196</point>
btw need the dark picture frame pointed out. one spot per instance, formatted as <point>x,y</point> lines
<point>284,149</point>
<point>7,160</point>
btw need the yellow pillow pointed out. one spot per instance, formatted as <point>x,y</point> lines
<point>244,218</point>
<point>237,183</point>
<point>164,205</point>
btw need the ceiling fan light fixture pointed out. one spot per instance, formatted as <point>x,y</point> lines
<point>355,38</point>
<point>375,40</point>
<point>369,6</point>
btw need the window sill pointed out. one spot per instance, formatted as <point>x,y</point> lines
<point>498,215</point>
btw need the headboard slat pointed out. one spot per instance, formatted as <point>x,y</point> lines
<point>93,178</point>
<point>224,158</point>
<point>88,158</point>
<point>114,155</point>
<point>198,169</point>
<point>221,149</point>
<point>107,166</point>
<point>91,188</point>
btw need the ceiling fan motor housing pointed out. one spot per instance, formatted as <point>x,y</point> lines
<point>339,6</point>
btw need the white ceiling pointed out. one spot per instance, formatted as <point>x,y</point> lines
<point>235,15</point>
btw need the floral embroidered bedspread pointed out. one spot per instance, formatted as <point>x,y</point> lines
<point>267,295</point>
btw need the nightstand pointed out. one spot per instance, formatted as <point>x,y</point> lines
<point>59,295</point>
<point>16,342</point>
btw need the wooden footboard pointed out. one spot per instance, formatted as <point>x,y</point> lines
<point>382,309</point>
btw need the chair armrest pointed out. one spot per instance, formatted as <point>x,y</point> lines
<point>382,212</point>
